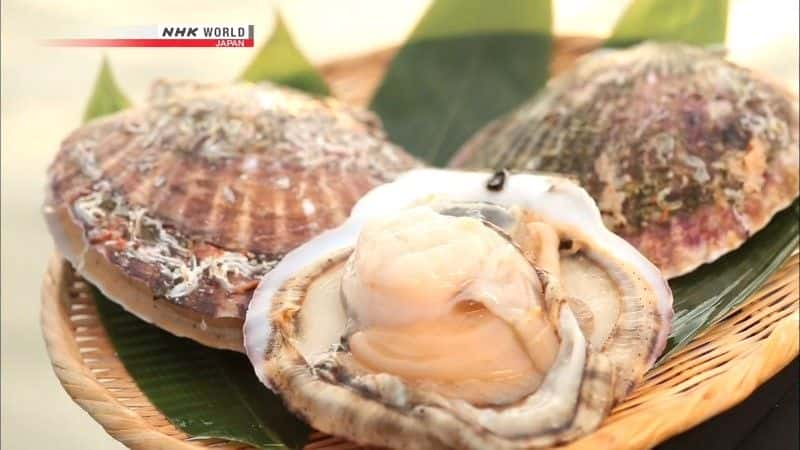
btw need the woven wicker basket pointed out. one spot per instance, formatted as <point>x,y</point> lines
<point>715,372</point>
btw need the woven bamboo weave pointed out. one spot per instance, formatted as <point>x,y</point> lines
<point>715,372</point>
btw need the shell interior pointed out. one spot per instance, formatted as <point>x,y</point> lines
<point>349,361</point>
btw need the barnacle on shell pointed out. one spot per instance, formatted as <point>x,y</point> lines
<point>192,197</point>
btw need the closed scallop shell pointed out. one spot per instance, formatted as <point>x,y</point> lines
<point>200,191</point>
<point>687,154</point>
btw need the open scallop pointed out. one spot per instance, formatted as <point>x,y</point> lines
<point>460,310</point>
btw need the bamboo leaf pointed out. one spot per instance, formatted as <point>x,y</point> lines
<point>466,62</point>
<point>205,392</point>
<point>703,297</point>
<point>280,61</point>
<point>106,97</point>
<point>691,21</point>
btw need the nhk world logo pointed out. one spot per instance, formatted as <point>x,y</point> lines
<point>164,36</point>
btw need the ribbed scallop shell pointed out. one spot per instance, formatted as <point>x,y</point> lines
<point>686,153</point>
<point>202,190</point>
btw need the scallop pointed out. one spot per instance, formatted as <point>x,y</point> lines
<point>453,310</point>
<point>175,209</point>
<point>686,154</point>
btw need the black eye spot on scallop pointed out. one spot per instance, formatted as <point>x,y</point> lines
<point>497,181</point>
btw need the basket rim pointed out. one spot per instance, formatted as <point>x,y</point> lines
<point>117,420</point>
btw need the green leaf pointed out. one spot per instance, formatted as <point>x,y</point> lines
<point>466,62</point>
<point>281,62</point>
<point>703,297</point>
<point>205,392</point>
<point>695,22</point>
<point>106,97</point>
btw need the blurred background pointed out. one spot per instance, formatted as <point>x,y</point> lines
<point>45,89</point>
